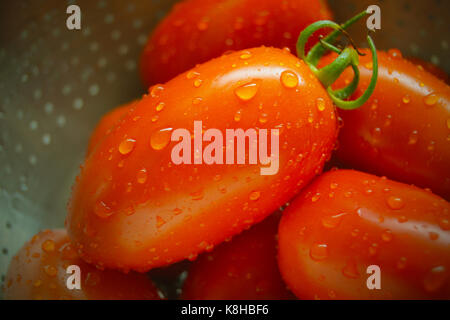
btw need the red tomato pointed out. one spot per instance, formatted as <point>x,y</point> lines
<point>403,130</point>
<point>106,124</point>
<point>133,208</point>
<point>346,221</point>
<point>245,268</point>
<point>199,30</point>
<point>38,271</point>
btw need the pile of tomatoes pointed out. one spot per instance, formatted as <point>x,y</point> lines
<point>312,235</point>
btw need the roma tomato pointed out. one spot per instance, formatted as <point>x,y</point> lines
<point>38,271</point>
<point>106,124</point>
<point>346,221</point>
<point>403,130</point>
<point>132,207</point>
<point>245,268</point>
<point>199,30</point>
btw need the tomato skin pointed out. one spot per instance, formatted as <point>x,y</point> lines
<point>181,210</point>
<point>243,269</point>
<point>38,271</point>
<point>395,133</point>
<point>106,124</point>
<point>431,68</point>
<point>346,221</point>
<point>184,38</point>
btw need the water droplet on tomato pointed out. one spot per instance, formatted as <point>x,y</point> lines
<point>161,138</point>
<point>413,137</point>
<point>318,251</point>
<point>386,236</point>
<point>48,245</point>
<point>395,203</point>
<point>126,146</point>
<point>192,74</point>
<point>160,106</point>
<point>263,117</point>
<point>141,176</point>
<point>245,55</point>
<point>431,99</point>
<point>198,83</point>
<point>254,195</point>
<point>237,116</point>
<point>289,79</point>
<point>156,90</point>
<point>350,270</point>
<point>435,278</point>
<point>320,103</point>
<point>102,210</point>
<point>50,270</point>
<point>331,222</point>
<point>247,91</point>
<point>406,99</point>
<point>160,222</point>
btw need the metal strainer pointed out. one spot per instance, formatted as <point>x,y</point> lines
<point>55,84</point>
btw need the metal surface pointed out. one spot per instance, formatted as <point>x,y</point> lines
<point>55,84</point>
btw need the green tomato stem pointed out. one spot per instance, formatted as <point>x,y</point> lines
<point>347,57</point>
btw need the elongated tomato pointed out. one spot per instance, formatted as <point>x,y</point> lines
<point>347,224</point>
<point>403,130</point>
<point>199,30</point>
<point>39,271</point>
<point>106,124</point>
<point>245,268</point>
<point>133,207</point>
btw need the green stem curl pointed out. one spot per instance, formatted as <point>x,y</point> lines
<point>347,57</point>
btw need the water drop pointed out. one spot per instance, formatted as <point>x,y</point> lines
<point>160,222</point>
<point>395,203</point>
<point>237,116</point>
<point>245,55</point>
<point>319,251</point>
<point>331,222</point>
<point>350,270</point>
<point>141,176</point>
<point>102,210</point>
<point>413,137</point>
<point>160,138</point>
<point>320,103</point>
<point>289,79</point>
<point>126,146</point>
<point>160,106</point>
<point>198,83</point>
<point>254,195</point>
<point>431,99</point>
<point>435,278</point>
<point>48,245</point>
<point>406,99</point>
<point>50,270</point>
<point>386,236</point>
<point>247,91</point>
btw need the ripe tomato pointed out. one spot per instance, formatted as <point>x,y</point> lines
<point>403,130</point>
<point>133,208</point>
<point>245,268</point>
<point>38,271</point>
<point>199,30</point>
<point>346,221</point>
<point>106,124</point>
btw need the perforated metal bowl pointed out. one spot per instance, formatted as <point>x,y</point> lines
<point>55,84</point>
